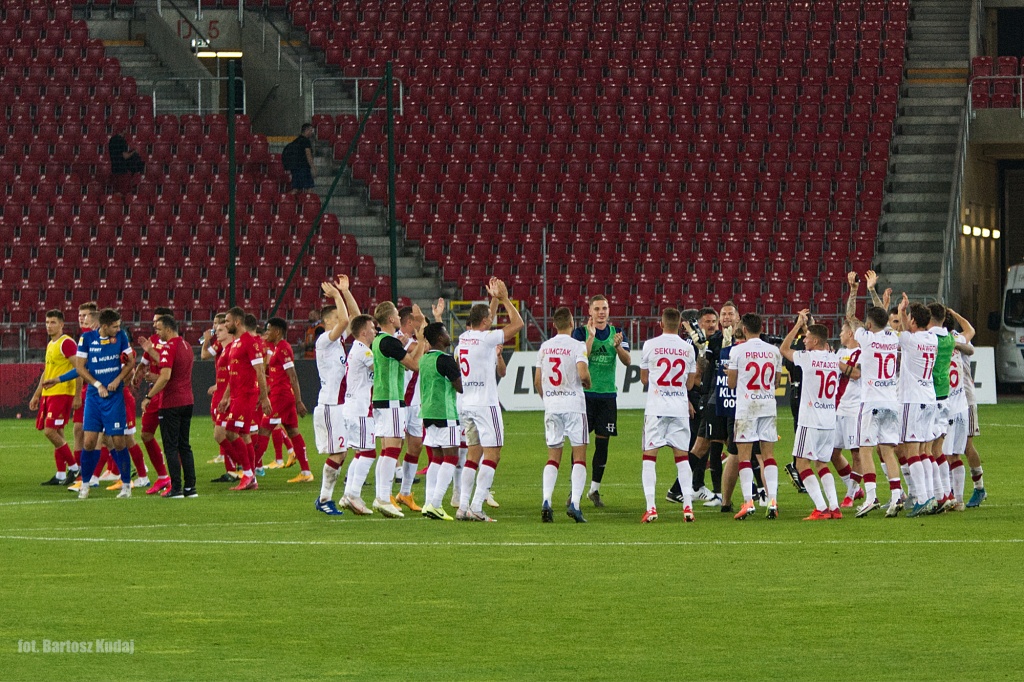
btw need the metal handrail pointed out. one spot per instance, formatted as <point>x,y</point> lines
<point>210,109</point>
<point>355,80</point>
<point>949,246</point>
<point>1020,91</point>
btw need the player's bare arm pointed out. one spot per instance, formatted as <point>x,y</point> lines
<point>437,310</point>
<point>536,382</point>
<point>346,292</point>
<point>584,371</point>
<point>204,351</point>
<point>871,279</point>
<point>161,382</point>
<point>293,378</point>
<point>501,368</point>
<point>261,381</point>
<point>904,316</point>
<point>515,320</point>
<point>591,334</point>
<point>851,301</point>
<point>621,352</point>
<point>341,313</point>
<point>967,327</point>
<point>129,365</point>
<point>787,343</point>
<point>88,378</point>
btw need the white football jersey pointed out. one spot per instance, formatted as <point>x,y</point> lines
<point>967,376</point>
<point>819,388</point>
<point>957,400</point>
<point>670,361</point>
<point>879,359</point>
<point>330,364</point>
<point>559,376</point>
<point>359,381</point>
<point>916,365</point>
<point>477,355</point>
<point>757,365</point>
<point>850,398</point>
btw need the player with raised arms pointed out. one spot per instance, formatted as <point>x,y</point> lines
<point>816,422</point>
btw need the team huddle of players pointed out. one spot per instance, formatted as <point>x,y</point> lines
<point>899,385</point>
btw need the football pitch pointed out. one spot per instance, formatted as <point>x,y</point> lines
<point>258,585</point>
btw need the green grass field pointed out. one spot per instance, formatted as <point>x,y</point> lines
<point>258,585</point>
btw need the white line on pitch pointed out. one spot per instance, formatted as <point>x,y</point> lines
<point>456,543</point>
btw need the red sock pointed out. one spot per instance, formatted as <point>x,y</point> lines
<point>259,446</point>
<point>138,460</point>
<point>289,444</point>
<point>106,461</point>
<point>845,471</point>
<point>278,436</point>
<point>225,450</point>
<point>299,445</point>
<point>156,457</point>
<point>412,459</point>
<point>250,454</point>
<point>393,453</point>
<point>63,457</point>
<point>78,457</point>
<point>239,454</point>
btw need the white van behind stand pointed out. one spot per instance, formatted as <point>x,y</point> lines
<point>1010,324</point>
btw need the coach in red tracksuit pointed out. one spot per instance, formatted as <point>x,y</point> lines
<point>175,388</point>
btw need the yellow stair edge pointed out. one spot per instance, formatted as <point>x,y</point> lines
<point>936,81</point>
<point>124,43</point>
<point>279,138</point>
<point>957,71</point>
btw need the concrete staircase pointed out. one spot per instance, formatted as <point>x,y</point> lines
<point>357,215</point>
<point>910,241</point>
<point>142,64</point>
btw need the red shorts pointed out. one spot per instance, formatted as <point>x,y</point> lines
<point>243,414</point>
<point>79,416</point>
<point>284,413</point>
<point>150,418</point>
<point>129,410</point>
<point>54,411</point>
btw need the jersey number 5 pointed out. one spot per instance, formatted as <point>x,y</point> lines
<point>464,361</point>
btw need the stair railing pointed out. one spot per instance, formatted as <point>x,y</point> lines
<point>948,286</point>
<point>334,91</point>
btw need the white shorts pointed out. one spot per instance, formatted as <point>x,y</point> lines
<point>329,429</point>
<point>814,445</point>
<point>973,426</point>
<point>661,431</point>
<point>846,432</point>
<point>956,436</point>
<point>755,429</point>
<point>413,422</point>
<point>879,425</point>
<point>360,433</point>
<point>917,423</point>
<point>443,436</point>
<point>484,426</point>
<point>561,425</point>
<point>389,422</point>
<point>941,423</point>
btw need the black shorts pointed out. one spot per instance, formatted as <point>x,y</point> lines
<point>712,426</point>
<point>602,416</point>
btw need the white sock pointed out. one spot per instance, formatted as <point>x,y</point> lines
<point>330,478</point>
<point>870,492</point>
<point>980,473</point>
<point>432,470</point>
<point>579,479</point>
<point>484,479</point>
<point>747,483</point>
<point>944,480</point>
<point>959,480</point>
<point>408,477</point>
<point>770,474</point>
<point>813,489</point>
<point>851,487</point>
<point>550,478</point>
<point>916,482</point>
<point>383,475</point>
<point>685,474</point>
<point>828,484</point>
<point>897,492</point>
<point>357,474</point>
<point>594,486</point>
<point>649,477</point>
<point>938,492</point>
<point>444,479</point>
<point>885,470</point>
<point>466,487</point>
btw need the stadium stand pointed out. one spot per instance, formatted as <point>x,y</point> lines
<point>65,239</point>
<point>678,152</point>
<point>995,82</point>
